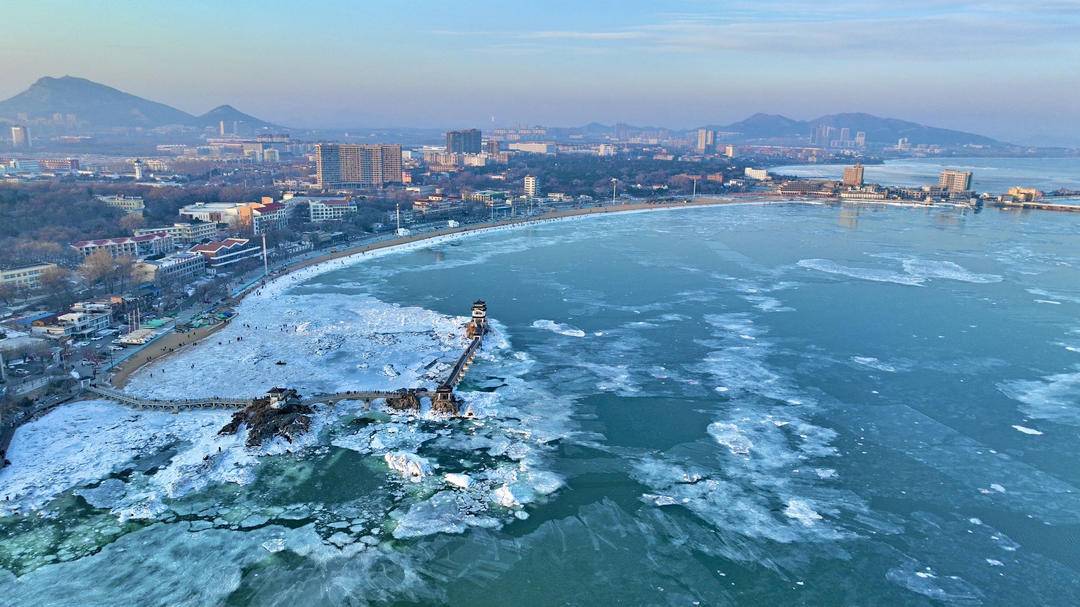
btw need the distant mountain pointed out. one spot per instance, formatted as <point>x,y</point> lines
<point>230,114</point>
<point>878,130</point>
<point>97,106</point>
<point>890,130</point>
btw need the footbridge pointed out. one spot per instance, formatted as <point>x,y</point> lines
<point>463,363</point>
<point>364,395</point>
<point>170,405</point>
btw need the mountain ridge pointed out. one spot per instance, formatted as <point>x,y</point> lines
<point>878,129</point>
<point>99,106</point>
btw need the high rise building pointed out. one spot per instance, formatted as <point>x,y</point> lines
<point>706,138</point>
<point>955,181</point>
<point>530,186</point>
<point>853,176</point>
<point>860,139</point>
<point>463,142</point>
<point>357,165</point>
<point>845,134</point>
<point>729,151</point>
<point>20,137</point>
<point>492,147</point>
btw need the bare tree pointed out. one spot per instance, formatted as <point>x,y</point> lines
<point>8,292</point>
<point>98,267</point>
<point>132,221</point>
<point>56,285</point>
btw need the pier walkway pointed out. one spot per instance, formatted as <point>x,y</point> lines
<point>463,363</point>
<point>170,405</point>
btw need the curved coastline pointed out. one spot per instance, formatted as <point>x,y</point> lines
<point>293,272</point>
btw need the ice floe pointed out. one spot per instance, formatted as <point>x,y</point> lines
<point>1053,398</point>
<point>561,329</point>
<point>872,274</point>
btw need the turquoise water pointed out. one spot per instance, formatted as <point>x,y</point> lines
<point>754,405</point>
<point>995,175</point>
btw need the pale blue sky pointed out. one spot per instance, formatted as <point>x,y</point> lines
<point>1005,68</point>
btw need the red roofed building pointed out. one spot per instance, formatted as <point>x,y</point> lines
<point>226,252</point>
<point>133,246</point>
<point>268,217</point>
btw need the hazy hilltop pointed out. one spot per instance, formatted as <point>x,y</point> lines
<point>878,130</point>
<point>70,103</point>
<point>97,106</point>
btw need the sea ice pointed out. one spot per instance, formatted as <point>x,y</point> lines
<point>871,274</point>
<point>410,465</point>
<point>561,329</point>
<point>801,511</point>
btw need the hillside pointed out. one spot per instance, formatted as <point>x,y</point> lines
<point>878,130</point>
<point>97,106</point>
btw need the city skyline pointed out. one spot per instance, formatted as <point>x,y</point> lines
<point>681,65</point>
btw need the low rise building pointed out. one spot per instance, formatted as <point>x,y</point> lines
<point>25,277</point>
<point>532,147</point>
<point>756,174</point>
<point>807,188</point>
<point>1019,194</point>
<point>864,194</point>
<point>436,204</point>
<point>132,205</point>
<point>178,268</point>
<point>226,252</point>
<point>153,243</point>
<point>237,215</point>
<point>186,233</point>
<point>488,197</point>
<point>269,217</point>
<point>329,209</point>
<point>84,319</point>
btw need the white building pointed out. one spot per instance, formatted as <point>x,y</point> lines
<point>268,217</point>
<point>179,267</point>
<point>85,318</point>
<point>532,148</point>
<point>530,186</point>
<point>757,174</point>
<point>132,205</point>
<point>127,246</point>
<point>26,277</point>
<point>184,232</point>
<point>227,252</point>
<point>320,210</point>
<point>238,215</point>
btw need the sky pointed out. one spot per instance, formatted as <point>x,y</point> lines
<point>1007,68</point>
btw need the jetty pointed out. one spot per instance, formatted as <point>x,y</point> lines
<point>1040,205</point>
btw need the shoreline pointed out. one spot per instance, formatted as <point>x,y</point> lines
<point>175,342</point>
<point>493,225</point>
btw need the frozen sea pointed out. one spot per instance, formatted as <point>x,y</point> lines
<point>744,405</point>
<point>995,175</point>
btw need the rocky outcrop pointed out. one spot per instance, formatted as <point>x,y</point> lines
<point>268,417</point>
<point>408,402</point>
